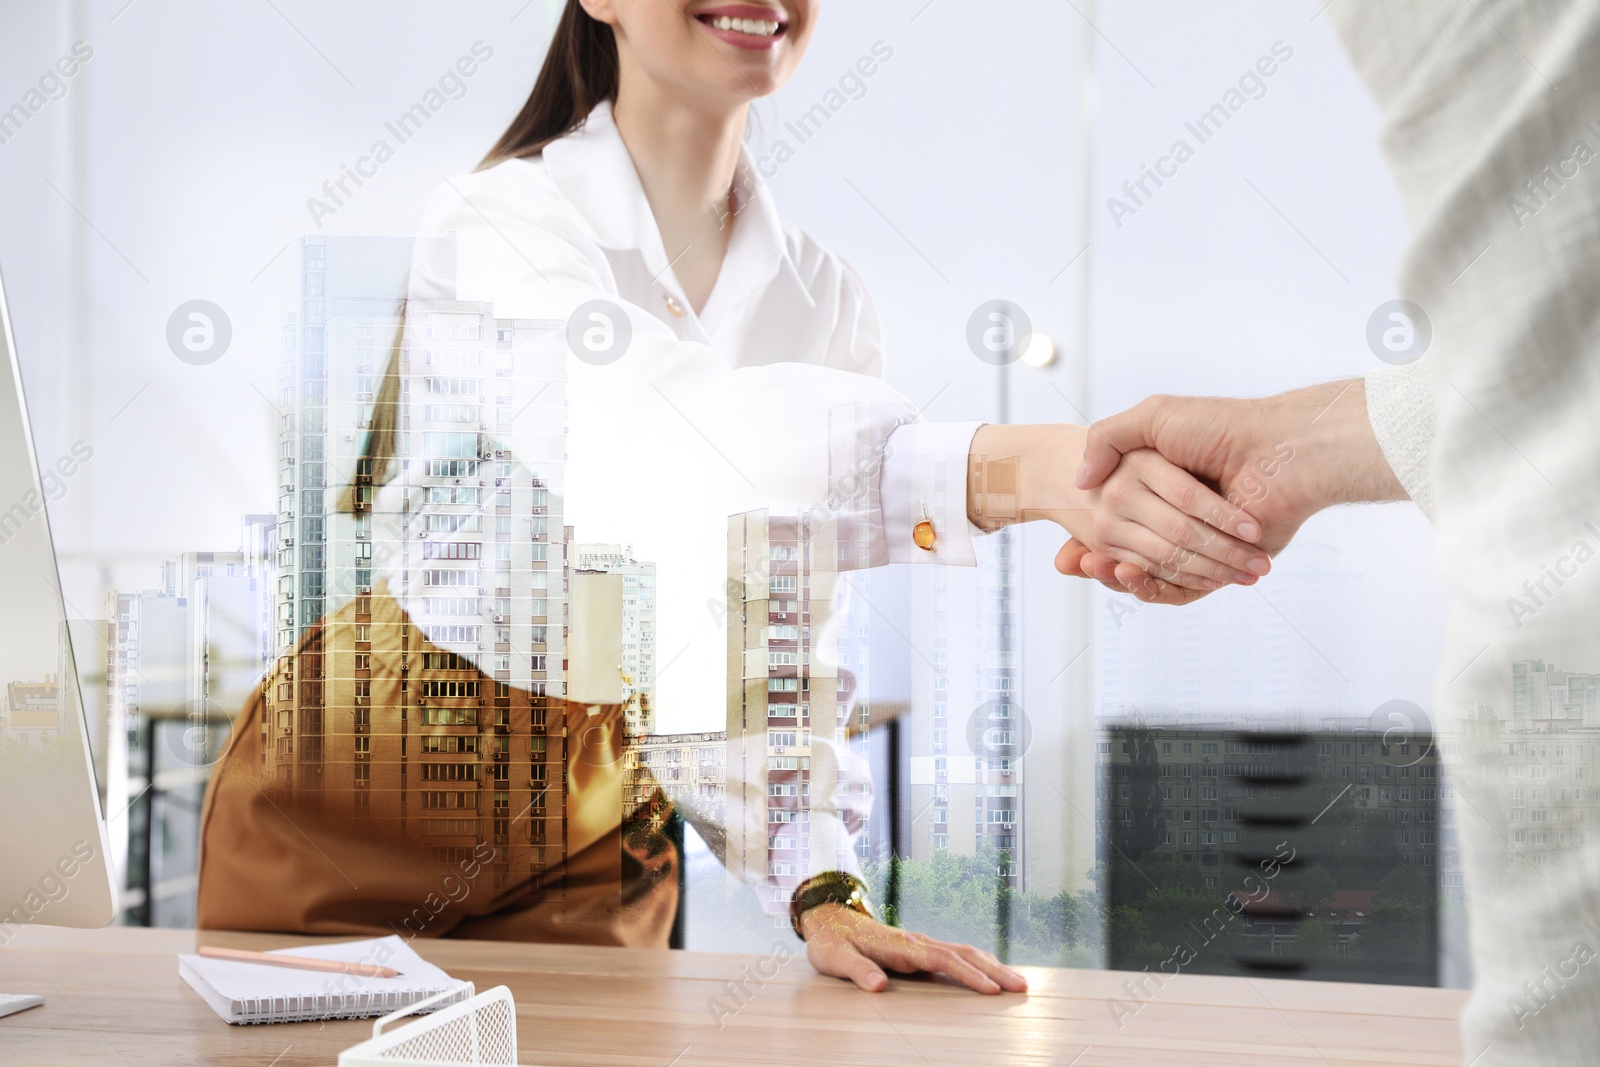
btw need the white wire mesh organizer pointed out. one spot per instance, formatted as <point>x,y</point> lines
<point>481,1029</point>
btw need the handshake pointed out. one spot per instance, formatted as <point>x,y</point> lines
<point>1180,496</point>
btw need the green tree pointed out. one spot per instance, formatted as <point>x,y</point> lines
<point>1410,885</point>
<point>1126,933</point>
<point>1397,932</point>
<point>1317,939</point>
<point>1308,889</point>
<point>1124,881</point>
<point>963,898</point>
<point>1073,919</point>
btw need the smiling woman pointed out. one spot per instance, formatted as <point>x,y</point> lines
<point>713,398</point>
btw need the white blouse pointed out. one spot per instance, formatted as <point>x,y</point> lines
<point>770,398</point>
<point>707,415</point>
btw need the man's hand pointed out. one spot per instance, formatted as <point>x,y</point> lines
<point>1150,513</point>
<point>847,944</point>
<point>1282,458</point>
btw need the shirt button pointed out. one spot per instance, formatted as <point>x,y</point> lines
<point>673,305</point>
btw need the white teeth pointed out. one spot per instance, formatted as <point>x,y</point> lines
<point>753,27</point>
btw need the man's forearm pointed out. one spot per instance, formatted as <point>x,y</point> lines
<point>1337,454</point>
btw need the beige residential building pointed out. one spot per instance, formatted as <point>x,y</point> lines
<point>638,639</point>
<point>784,686</point>
<point>690,768</point>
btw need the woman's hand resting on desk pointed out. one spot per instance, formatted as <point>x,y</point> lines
<point>847,944</point>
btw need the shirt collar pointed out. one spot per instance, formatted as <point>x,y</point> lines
<point>592,168</point>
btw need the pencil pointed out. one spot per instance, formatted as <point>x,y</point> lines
<point>305,963</point>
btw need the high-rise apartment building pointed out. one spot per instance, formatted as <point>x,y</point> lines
<point>638,627</point>
<point>1551,802</point>
<point>336,346</point>
<point>1541,692</point>
<point>425,711</point>
<point>784,683</point>
<point>966,757</point>
<point>994,730</point>
<point>966,735</point>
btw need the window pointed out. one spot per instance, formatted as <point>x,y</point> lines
<point>451,772</point>
<point>453,326</point>
<point>453,635</point>
<point>449,688</point>
<point>452,494</point>
<point>435,800</point>
<point>445,661</point>
<point>450,577</point>
<point>450,743</point>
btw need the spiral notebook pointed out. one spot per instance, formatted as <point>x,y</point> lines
<point>263,993</point>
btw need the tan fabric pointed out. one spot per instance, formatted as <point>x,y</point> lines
<point>274,860</point>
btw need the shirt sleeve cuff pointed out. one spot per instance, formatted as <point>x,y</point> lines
<point>925,478</point>
<point>1401,409</point>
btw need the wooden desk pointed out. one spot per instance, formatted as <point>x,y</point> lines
<point>113,997</point>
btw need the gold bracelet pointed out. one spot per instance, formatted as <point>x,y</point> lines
<point>829,887</point>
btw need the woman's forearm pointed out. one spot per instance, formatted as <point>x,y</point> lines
<point>1022,473</point>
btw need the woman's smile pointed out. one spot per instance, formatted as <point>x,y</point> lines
<point>753,26</point>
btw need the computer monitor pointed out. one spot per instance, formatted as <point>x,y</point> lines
<point>54,864</point>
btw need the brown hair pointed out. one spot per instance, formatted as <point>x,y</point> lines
<point>579,72</point>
